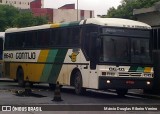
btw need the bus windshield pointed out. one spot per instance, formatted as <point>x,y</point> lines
<point>124,50</point>
<point>140,51</point>
<point>114,49</point>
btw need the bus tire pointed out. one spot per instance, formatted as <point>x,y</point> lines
<point>79,90</point>
<point>20,77</point>
<point>121,92</point>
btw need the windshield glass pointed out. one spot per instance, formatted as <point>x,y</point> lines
<point>124,50</point>
<point>114,49</point>
<point>140,51</point>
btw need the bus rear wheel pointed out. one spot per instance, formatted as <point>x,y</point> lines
<point>79,90</point>
<point>20,77</point>
<point>121,92</point>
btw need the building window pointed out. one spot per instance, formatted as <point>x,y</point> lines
<point>14,2</point>
<point>0,1</point>
<point>19,2</point>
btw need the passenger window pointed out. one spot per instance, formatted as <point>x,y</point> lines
<point>31,38</point>
<point>43,38</point>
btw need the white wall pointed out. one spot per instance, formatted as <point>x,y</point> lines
<point>42,2</point>
<point>63,15</point>
<point>68,15</point>
<point>87,13</point>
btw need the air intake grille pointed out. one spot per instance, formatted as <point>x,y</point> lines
<point>129,74</point>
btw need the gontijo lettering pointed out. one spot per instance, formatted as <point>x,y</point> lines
<point>20,55</point>
<point>25,55</point>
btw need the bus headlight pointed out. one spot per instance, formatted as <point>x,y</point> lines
<point>148,82</point>
<point>147,75</point>
<point>108,81</point>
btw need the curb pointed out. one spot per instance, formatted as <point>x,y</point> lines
<point>150,96</point>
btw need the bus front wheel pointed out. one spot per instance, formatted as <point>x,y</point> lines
<point>20,77</point>
<point>79,90</point>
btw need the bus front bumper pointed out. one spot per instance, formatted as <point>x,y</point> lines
<point>106,82</point>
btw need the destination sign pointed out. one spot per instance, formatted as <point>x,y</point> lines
<point>126,32</point>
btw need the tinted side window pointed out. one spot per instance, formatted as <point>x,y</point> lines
<point>76,36</point>
<point>43,38</point>
<point>19,40</point>
<point>52,38</point>
<point>31,39</point>
<point>58,37</point>
<point>6,44</point>
<point>65,37</point>
<point>14,40</point>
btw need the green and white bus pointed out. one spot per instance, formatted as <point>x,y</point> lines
<point>96,53</point>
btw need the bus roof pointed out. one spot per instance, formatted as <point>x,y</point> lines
<point>115,22</point>
<point>28,28</point>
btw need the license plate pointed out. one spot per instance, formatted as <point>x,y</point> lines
<point>129,82</point>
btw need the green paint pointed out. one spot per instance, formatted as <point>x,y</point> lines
<point>52,55</point>
<point>48,67</point>
<point>140,69</point>
<point>64,24</point>
<point>133,69</point>
<point>74,23</point>
<point>70,24</point>
<point>57,65</point>
<point>136,69</point>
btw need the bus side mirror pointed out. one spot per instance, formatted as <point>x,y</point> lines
<point>93,50</point>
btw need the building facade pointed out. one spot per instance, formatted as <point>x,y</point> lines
<point>23,4</point>
<point>61,15</point>
<point>44,12</point>
<point>149,15</point>
<point>66,13</point>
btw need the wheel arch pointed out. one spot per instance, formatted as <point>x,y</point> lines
<point>18,68</point>
<point>73,76</point>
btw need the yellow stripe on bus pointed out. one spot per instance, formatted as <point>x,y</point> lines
<point>36,70</point>
<point>43,56</point>
<point>55,25</point>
